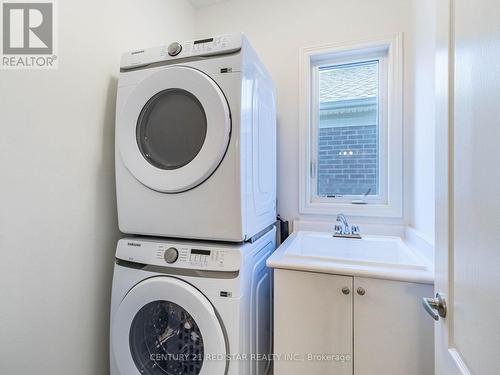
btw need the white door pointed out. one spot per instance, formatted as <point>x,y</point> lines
<point>166,326</point>
<point>468,176</point>
<point>174,129</point>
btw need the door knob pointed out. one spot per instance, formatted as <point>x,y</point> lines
<point>346,290</point>
<point>435,307</point>
<point>361,291</point>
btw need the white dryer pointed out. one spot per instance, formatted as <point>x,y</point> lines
<point>191,308</point>
<point>196,141</point>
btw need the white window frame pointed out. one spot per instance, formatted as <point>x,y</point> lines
<point>389,52</point>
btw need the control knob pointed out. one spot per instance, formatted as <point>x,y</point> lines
<point>171,255</point>
<point>174,49</point>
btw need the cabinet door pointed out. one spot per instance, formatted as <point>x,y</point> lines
<point>312,317</point>
<point>392,334</point>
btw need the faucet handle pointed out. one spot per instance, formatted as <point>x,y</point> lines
<point>339,229</point>
<point>355,229</point>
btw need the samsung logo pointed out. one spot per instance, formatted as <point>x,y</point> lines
<point>137,52</point>
<point>134,244</point>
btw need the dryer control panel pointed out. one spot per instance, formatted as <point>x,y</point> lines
<point>179,254</point>
<point>217,45</point>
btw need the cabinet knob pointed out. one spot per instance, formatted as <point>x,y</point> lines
<point>346,290</point>
<point>361,291</point>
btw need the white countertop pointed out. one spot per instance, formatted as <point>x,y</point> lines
<point>383,257</point>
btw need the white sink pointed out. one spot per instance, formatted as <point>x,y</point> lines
<point>370,256</point>
<point>389,251</point>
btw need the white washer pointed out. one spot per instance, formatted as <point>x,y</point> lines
<point>196,141</point>
<point>191,308</point>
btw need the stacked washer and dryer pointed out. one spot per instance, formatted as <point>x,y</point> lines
<point>196,189</point>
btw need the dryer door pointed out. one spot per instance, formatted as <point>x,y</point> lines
<point>174,129</point>
<point>166,326</point>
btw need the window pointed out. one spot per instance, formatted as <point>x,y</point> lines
<point>348,146</point>
<point>351,141</point>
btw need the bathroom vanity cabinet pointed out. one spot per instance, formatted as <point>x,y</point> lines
<point>345,325</point>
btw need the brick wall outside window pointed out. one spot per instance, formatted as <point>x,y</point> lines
<point>348,160</point>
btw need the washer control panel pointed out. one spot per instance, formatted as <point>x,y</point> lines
<point>200,257</point>
<point>180,255</point>
<point>217,45</point>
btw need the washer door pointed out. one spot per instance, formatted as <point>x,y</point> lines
<point>174,129</point>
<point>166,326</point>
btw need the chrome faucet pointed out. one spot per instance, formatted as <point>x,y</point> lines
<point>343,229</point>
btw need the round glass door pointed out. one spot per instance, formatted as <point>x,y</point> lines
<point>165,326</point>
<point>173,129</point>
<point>165,339</point>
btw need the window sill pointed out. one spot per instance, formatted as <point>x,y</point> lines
<point>350,209</point>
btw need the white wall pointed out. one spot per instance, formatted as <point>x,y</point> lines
<point>423,129</point>
<point>57,204</point>
<point>277,29</point>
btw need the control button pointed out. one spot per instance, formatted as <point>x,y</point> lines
<point>171,255</point>
<point>174,49</point>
